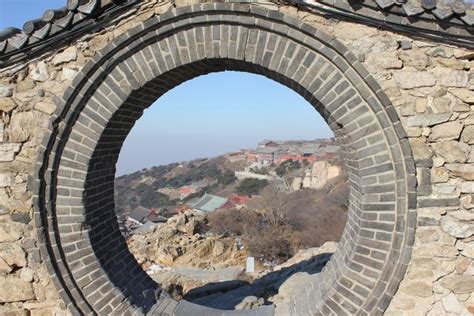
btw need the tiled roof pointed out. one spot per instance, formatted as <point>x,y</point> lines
<point>450,21</point>
<point>309,148</point>
<point>55,25</point>
<point>209,203</point>
<point>266,150</point>
<point>447,10</point>
<point>139,214</point>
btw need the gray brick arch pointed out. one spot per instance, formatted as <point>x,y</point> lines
<point>74,207</point>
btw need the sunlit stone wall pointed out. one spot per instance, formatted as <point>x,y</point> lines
<point>431,86</point>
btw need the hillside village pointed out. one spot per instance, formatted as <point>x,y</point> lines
<point>151,196</point>
<point>192,226</point>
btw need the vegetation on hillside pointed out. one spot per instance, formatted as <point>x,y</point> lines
<point>130,194</point>
<point>251,186</point>
<point>287,166</point>
<point>273,225</point>
<point>281,223</point>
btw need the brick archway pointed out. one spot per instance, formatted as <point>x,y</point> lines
<point>77,228</point>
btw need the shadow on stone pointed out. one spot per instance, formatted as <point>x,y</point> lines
<point>268,289</point>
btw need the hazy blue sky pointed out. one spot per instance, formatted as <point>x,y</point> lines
<point>217,113</point>
<point>17,12</point>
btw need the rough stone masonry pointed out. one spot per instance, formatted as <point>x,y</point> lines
<point>429,83</point>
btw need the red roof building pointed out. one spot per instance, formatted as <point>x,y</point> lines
<point>185,191</point>
<point>236,200</point>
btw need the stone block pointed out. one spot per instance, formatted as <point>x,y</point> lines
<point>40,72</point>
<point>454,78</point>
<point>6,91</point>
<point>446,131</point>
<point>22,126</point>
<point>5,180</point>
<point>451,304</point>
<point>69,54</point>
<point>439,175</point>
<point>45,107</point>
<point>414,79</point>
<point>421,105</point>
<point>428,119</point>
<point>7,105</point>
<point>467,187</point>
<point>465,171</point>
<point>452,151</point>
<point>14,289</point>
<point>417,288</point>
<point>8,151</point>
<point>459,284</point>
<point>25,85</point>
<point>13,255</point>
<point>468,250</point>
<point>457,228</point>
<point>467,135</point>
<point>413,131</point>
<point>464,95</point>
<point>420,149</point>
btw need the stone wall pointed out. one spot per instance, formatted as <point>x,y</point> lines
<point>430,85</point>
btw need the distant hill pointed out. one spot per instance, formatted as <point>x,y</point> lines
<point>273,204</point>
<point>286,164</point>
<point>142,187</point>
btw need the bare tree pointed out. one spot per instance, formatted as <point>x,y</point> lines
<point>274,205</point>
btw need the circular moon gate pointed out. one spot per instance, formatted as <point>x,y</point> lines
<point>74,202</point>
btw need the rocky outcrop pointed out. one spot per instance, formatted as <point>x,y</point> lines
<point>317,176</point>
<point>182,243</point>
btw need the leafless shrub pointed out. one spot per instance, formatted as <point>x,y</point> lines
<point>278,224</point>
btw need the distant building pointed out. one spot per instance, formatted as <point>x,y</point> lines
<point>156,217</point>
<point>182,208</point>
<point>268,143</point>
<point>266,155</point>
<point>237,156</point>
<point>236,201</point>
<point>142,220</point>
<point>208,203</point>
<point>269,152</point>
<point>137,217</point>
<point>186,191</point>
